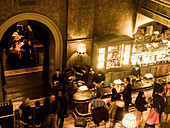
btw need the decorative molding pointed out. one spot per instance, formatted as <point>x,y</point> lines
<point>23,71</point>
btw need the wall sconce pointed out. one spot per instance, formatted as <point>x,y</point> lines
<point>129,121</point>
<point>81,49</point>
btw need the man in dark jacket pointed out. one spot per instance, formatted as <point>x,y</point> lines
<point>127,93</point>
<point>63,108</point>
<point>58,81</point>
<point>51,109</point>
<point>98,82</point>
<point>160,100</point>
<point>136,71</point>
<point>158,86</point>
<point>38,116</point>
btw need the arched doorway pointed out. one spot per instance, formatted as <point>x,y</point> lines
<point>55,39</point>
<point>55,56</point>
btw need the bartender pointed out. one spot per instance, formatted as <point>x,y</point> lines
<point>98,81</point>
<point>136,71</point>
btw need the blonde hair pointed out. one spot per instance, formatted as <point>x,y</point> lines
<point>26,101</point>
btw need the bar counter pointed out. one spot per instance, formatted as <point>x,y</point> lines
<point>82,98</point>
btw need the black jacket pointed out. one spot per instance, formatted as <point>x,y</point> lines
<point>26,111</point>
<point>98,79</point>
<point>127,93</point>
<point>136,73</point>
<point>55,78</point>
<point>51,108</point>
<point>139,103</point>
<point>38,115</point>
<point>63,107</point>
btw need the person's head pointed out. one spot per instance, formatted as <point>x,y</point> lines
<point>29,42</point>
<point>26,101</point>
<point>168,85</point>
<point>160,81</point>
<point>60,93</point>
<point>136,67</point>
<point>52,97</point>
<point>57,71</point>
<point>17,43</point>
<point>141,94</point>
<point>37,104</point>
<point>126,80</point>
<point>17,30</point>
<point>99,73</point>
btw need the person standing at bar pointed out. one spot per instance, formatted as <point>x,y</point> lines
<point>160,101</point>
<point>98,81</point>
<point>135,72</point>
<point>127,93</point>
<point>158,86</point>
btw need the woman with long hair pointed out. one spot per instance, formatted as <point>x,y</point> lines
<point>153,117</point>
<point>140,104</point>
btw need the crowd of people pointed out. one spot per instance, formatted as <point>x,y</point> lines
<point>54,108</point>
<point>159,104</point>
<point>50,114</point>
<point>20,50</point>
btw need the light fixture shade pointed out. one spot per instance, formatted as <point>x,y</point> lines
<point>129,121</point>
<point>83,88</point>
<point>148,75</point>
<point>81,49</point>
<point>118,81</point>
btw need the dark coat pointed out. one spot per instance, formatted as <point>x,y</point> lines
<point>63,107</point>
<point>115,97</point>
<point>38,115</point>
<point>55,78</point>
<point>139,103</point>
<point>98,79</point>
<point>26,111</point>
<point>55,107</point>
<point>100,114</point>
<point>136,73</point>
<point>127,94</point>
